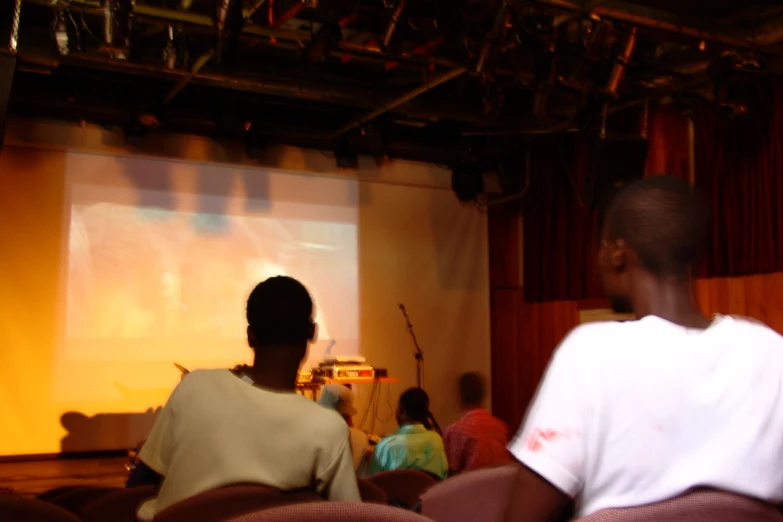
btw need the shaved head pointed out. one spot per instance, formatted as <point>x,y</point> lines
<point>653,230</point>
<point>662,220</point>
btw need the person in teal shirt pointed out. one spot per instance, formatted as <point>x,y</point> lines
<point>417,444</point>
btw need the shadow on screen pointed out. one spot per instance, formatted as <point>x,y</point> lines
<point>86,434</point>
<point>153,183</point>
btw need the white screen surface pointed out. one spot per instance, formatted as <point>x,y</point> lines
<point>159,273</point>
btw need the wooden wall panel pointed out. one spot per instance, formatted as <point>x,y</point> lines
<point>757,296</point>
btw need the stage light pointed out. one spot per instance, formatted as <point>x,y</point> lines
<point>255,143</point>
<point>170,51</point>
<point>346,157</point>
<point>108,21</point>
<point>324,41</point>
<point>61,33</point>
<point>467,181</point>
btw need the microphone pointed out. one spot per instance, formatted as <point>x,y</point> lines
<point>402,307</point>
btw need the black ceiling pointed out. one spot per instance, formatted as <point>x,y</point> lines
<point>450,78</point>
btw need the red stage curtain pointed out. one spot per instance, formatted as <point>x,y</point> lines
<point>739,166</point>
<point>560,236</point>
<point>560,240</point>
<point>670,151</point>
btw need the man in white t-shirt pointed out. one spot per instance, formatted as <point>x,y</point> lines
<point>248,425</point>
<point>638,412</point>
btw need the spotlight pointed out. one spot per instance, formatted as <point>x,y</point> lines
<point>61,33</point>
<point>255,143</point>
<point>346,157</point>
<point>467,181</point>
<point>324,41</point>
<point>170,51</point>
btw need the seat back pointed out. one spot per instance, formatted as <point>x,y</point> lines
<point>56,492</point>
<point>476,495</point>
<point>232,501</point>
<point>703,505</point>
<point>372,493</point>
<point>405,485</point>
<point>76,499</point>
<point>16,507</point>
<point>117,506</point>
<point>333,512</point>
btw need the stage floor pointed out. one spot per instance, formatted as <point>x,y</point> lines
<point>33,477</point>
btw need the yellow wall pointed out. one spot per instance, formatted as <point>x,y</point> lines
<point>31,232</point>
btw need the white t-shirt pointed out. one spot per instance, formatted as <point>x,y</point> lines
<point>216,429</point>
<point>638,412</point>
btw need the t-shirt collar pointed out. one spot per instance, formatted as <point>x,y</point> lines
<point>410,429</point>
<point>474,411</point>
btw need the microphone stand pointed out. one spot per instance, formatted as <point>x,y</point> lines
<point>419,354</point>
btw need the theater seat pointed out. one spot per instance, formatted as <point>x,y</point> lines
<point>117,506</point>
<point>475,495</point>
<point>76,499</point>
<point>232,501</point>
<point>703,505</point>
<point>372,493</point>
<point>21,509</point>
<point>403,485</point>
<point>333,512</point>
<point>56,492</point>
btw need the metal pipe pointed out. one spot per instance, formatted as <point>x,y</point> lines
<point>522,192</point>
<point>258,84</point>
<point>624,56</point>
<point>395,19</point>
<point>370,49</point>
<point>299,37</point>
<point>197,65</point>
<point>250,11</point>
<point>288,15</point>
<point>223,7</point>
<point>13,41</point>
<point>654,19</point>
<point>108,22</point>
<point>490,40</point>
<point>419,51</point>
<point>660,93</point>
<point>584,10</point>
<point>443,78</point>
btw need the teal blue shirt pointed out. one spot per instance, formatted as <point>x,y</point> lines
<point>411,447</point>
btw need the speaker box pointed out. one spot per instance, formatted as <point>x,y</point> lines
<point>7,66</point>
<point>612,162</point>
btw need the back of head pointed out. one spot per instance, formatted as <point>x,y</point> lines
<point>339,398</point>
<point>472,389</point>
<point>662,220</point>
<point>280,314</point>
<point>416,404</point>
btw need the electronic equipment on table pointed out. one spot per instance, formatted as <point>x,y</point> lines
<point>344,368</point>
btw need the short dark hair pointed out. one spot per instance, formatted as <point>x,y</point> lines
<point>472,389</point>
<point>280,313</point>
<point>663,220</point>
